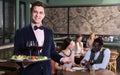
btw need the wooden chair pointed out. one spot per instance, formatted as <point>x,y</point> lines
<point>53,67</point>
<point>112,63</point>
<point>9,68</point>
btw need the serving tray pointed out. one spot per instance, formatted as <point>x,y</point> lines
<point>23,58</point>
<point>28,60</point>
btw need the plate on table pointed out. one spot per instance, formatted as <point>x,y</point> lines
<point>24,58</point>
<point>77,68</point>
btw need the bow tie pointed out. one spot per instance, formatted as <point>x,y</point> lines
<point>41,28</point>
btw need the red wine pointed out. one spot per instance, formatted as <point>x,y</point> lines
<point>31,48</point>
<point>83,64</point>
<point>91,62</point>
<point>81,57</point>
<point>39,47</point>
<point>78,59</point>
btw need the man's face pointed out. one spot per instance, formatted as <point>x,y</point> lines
<point>37,14</point>
<point>96,46</point>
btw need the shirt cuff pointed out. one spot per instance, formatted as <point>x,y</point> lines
<point>95,67</point>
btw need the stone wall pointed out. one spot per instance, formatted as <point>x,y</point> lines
<point>57,19</point>
<point>97,19</point>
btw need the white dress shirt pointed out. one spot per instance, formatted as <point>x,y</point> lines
<point>39,34</point>
<point>105,61</point>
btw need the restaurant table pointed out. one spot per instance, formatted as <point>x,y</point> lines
<point>98,72</point>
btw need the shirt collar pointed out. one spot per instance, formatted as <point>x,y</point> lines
<point>100,50</point>
<point>33,26</point>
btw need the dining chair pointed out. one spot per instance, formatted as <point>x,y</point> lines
<point>53,67</point>
<point>112,63</point>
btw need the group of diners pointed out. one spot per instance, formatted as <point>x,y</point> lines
<point>95,56</point>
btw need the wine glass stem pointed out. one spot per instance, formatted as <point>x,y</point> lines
<point>38,52</point>
<point>30,53</point>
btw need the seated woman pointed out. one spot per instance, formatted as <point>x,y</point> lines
<point>66,51</point>
<point>90,40</point>
<point>79,44</point>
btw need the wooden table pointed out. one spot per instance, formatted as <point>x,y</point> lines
<point>99,72</point>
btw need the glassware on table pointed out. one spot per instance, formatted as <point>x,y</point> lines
<point>91,62</point>
<point>78,58</point>
<point>83,66</point>
<point>31,45</point>
<point>92,71</point>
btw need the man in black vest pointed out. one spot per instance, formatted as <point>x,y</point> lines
<point>97,57</point>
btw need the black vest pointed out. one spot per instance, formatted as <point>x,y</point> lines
<point>100,57</point>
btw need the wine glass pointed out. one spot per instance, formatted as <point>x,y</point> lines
<point>83,65</point>
<point>39,48</point>
<point>91,62</point>
<point>31,45</point>
<point>92,69</point>
<point>78,58</point>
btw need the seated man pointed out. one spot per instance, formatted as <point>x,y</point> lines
<point>97,57</point>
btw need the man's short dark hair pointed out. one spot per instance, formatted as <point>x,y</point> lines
<point>37,3</point>
<point>99,40</point>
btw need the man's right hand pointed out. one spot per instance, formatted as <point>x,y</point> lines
<point>26,64</point>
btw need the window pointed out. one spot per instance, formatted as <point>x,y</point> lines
<point>1,21</point>
<point>22,15</point>
<point>7,21</point>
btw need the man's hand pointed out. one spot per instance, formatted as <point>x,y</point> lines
<point>26,64</point>
<point>88,64</point>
